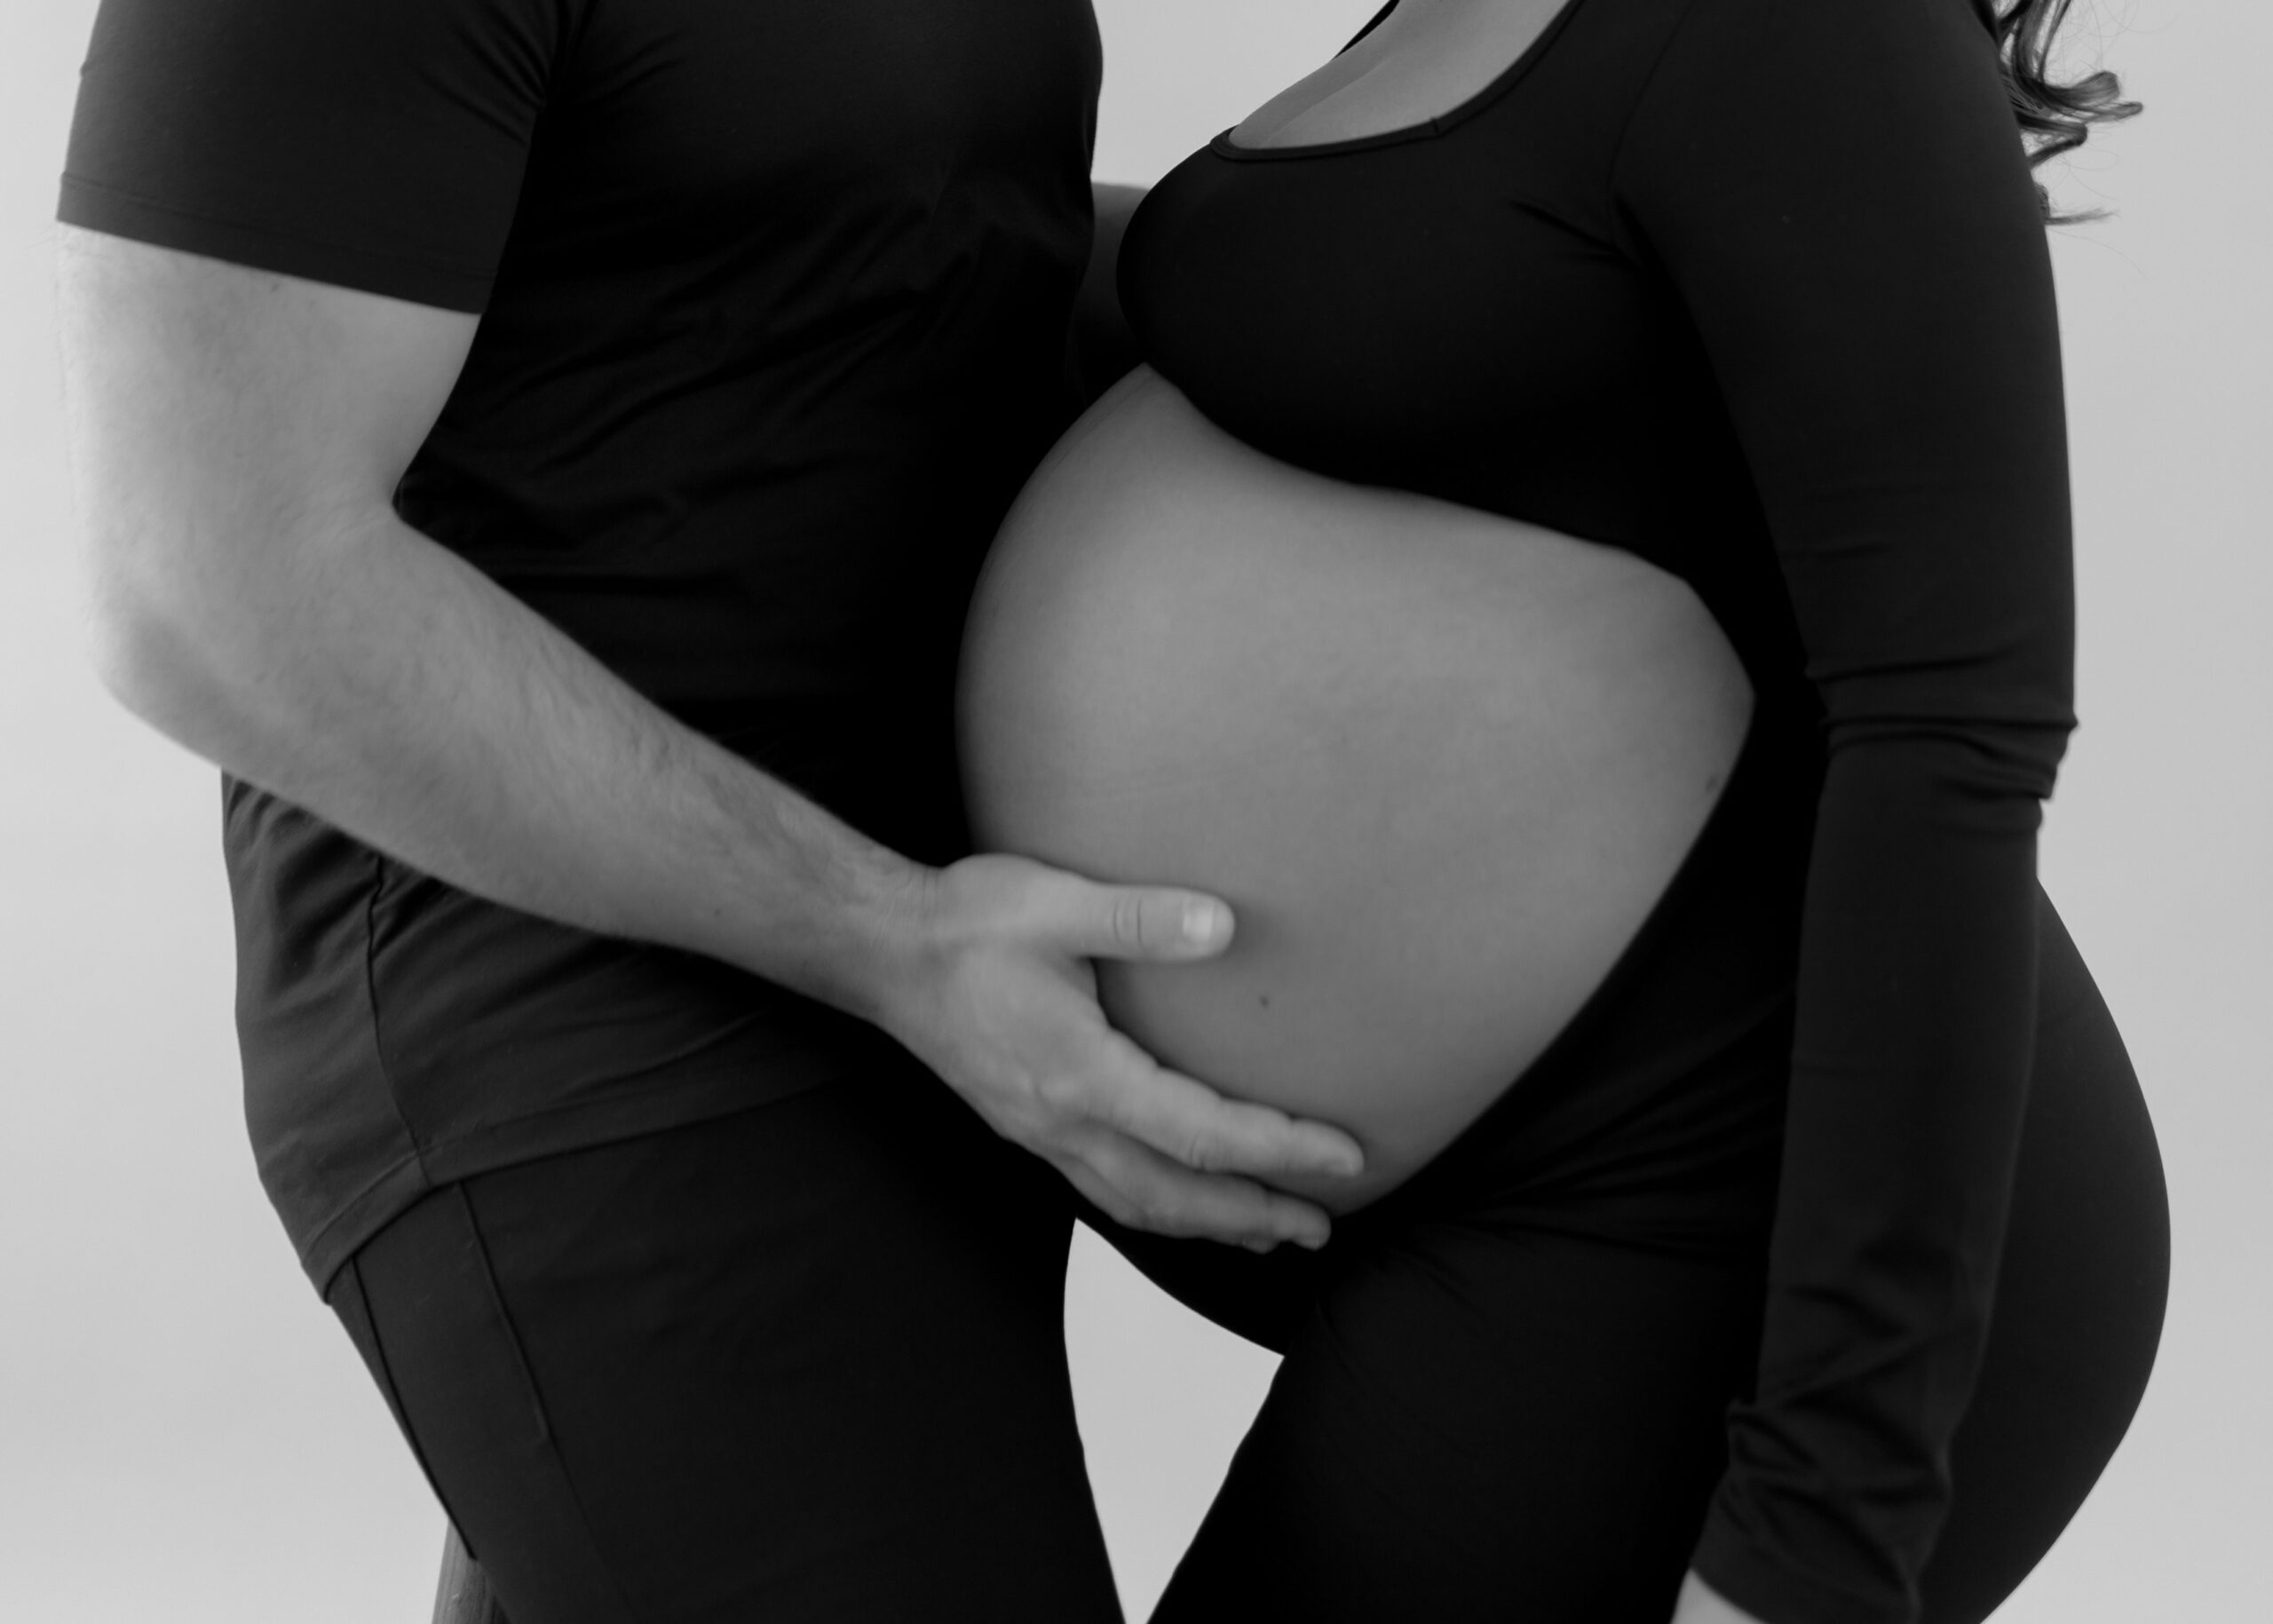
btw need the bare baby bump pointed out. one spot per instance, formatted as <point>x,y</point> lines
<point>1441,764</point>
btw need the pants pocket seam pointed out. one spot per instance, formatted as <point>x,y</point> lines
<point>383,1374</point>
<point>546,1439</point>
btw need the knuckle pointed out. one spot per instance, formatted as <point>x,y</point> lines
<point>1127,919</point>
<point>1204,1152</point>
<point>1058,1093</point>
<point>1155,1213</point>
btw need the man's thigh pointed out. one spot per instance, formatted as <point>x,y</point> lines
<point>806,1362</point>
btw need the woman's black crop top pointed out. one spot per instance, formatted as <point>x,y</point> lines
<point>1757,290</point>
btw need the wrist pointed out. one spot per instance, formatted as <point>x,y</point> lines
<point>776,885</point>
<point>860,937</point>
<point>888,934</point>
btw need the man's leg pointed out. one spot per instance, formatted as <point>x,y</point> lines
<point>804,1363</point>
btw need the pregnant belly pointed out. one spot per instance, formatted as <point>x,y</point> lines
<point>1440,764</point>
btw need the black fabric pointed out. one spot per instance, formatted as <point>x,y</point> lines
<point>722,1372</point>
<point>802,1363</point>
<point>1504,1389</point>
<point>773,310</point>
<point>463,1593</point>
<point>1758,290</point>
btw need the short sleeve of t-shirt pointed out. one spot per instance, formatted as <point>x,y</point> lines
<point>373,144</point>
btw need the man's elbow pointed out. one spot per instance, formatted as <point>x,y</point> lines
<point>172,616</point>
<point>143,642</point>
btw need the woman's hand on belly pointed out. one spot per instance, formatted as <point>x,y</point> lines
<point>1000,999</point>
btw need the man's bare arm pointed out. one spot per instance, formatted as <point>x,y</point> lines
<point>236,439</point>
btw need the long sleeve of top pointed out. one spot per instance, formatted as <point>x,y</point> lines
<point>1837,195</point>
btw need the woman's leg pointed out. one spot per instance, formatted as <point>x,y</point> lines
<point>1480,1418</point>
<point>804,1363</point>
<point>1482,1423</point>
<point>2079,1301</point>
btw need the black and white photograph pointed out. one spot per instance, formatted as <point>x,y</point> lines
<point>1076,812</point>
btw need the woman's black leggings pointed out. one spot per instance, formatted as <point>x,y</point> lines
<point>1504,1386</point>
<point>1504,1400</point>
<point>807,1363</point>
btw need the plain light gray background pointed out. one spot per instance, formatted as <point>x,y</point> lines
<point>184,1433</point>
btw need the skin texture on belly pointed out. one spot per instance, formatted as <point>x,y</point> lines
<point>1440,764</point>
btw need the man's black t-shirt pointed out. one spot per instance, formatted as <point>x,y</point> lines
<point>774,303</point>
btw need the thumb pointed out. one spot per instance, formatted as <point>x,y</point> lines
<point>1143,921</point>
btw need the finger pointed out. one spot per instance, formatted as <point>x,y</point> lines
<point>1137,921</point>
<point>1144,1190</point>
<point>1099,1194</point>
<point>1189,1122</point>
<point>1124,1212</point>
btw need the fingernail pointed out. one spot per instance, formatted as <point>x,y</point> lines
<point>1202,919</point>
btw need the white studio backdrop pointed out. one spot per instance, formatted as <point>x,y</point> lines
<point>186,1435</point>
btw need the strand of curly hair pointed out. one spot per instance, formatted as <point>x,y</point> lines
<point>2054,117</point>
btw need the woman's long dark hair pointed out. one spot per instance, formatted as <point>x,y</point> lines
<point>2053,118</point>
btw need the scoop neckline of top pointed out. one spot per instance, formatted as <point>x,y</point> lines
<point>1223,146</point>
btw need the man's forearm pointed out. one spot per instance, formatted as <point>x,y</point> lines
<point>385,684</point>
<point>235,439</point>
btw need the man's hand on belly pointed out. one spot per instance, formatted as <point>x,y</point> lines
<point>995,993</point>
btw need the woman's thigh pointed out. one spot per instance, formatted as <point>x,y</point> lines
<point>1477,1422</point>
<point>1485,1419</point>
<point>804,1363</point>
